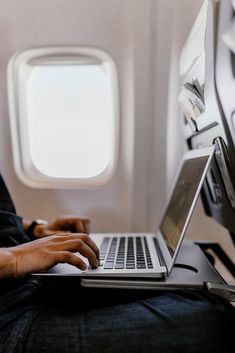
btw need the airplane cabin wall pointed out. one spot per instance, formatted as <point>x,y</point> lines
<point>144,37</point>
<point>111,26</point>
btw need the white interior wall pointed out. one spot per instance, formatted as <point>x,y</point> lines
<point>122,28</point>
<point>106,25</point>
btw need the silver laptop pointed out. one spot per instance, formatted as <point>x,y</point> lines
<point>150,255</point>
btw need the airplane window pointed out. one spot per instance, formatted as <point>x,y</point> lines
<point>70,120</point>
<point>67,120</point>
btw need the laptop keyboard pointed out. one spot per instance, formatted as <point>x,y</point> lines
<point>125,253</point>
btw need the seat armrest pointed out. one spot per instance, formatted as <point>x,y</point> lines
<point>223,290</point>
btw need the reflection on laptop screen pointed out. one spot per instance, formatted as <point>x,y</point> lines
<point>181,200</point>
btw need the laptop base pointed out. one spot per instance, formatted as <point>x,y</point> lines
<point>192,270</point>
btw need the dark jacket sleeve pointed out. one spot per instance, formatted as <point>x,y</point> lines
<point>11,227</point>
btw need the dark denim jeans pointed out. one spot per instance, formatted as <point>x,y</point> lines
<point>61,317</point>
<point>58,316</point>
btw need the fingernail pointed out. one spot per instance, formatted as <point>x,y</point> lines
<point>84,267</point>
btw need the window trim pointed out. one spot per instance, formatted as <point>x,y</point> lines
<point>25,169</point>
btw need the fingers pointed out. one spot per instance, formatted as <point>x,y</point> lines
<point>75,245</point>
<point>82,225</point>
<point>75,224</point>
<point>87,225</point>
<point>91,244</point>
<point>78,242</point>
<point>71,259</point>
<point>61,237</point>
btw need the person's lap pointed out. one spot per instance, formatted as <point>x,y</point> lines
<point>59,316</point>
<point>179,321</point>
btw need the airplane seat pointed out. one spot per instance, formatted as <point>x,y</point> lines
<point>207,72</point>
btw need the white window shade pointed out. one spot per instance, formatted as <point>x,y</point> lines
<point>64,116</point>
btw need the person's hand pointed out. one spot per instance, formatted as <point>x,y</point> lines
<point>62,224</point>
<point>42,254</point>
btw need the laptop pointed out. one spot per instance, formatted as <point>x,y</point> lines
<point>149,255</point>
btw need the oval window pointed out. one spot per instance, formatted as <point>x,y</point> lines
<point>65,116</point>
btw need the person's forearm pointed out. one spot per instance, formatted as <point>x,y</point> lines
<point>7,263</point>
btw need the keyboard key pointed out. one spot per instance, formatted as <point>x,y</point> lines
<point>108,265</point>
<point>141,266</point>
<point>119,265</point>
<point>130,266</point>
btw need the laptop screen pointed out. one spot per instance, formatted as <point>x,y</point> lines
<point>181,201</point>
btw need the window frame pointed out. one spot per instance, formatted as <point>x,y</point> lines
<point>17,73</point>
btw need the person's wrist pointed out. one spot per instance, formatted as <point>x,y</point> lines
<point>36,228</point>
<point>7,263</point>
